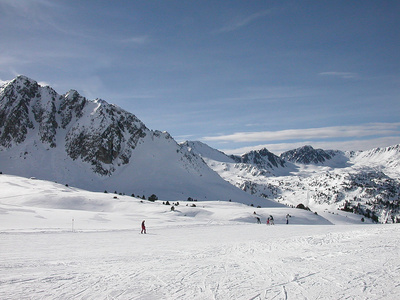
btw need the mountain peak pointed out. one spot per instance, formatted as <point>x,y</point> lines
<point>262,158</point>
<point>307,155</point>
<point>100,101</point>
<point>21,81</point>
<point>72,93</point>
<point>23,78</point>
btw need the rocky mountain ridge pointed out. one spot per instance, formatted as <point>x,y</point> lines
<point>98,146</point>
<point>93,131</point>
<point>308,155</point>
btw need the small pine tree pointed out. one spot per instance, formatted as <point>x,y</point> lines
<point>153,198</point>
<point>302,206</point>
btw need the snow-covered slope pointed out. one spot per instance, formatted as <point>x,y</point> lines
<point>98,146</point>
<point>383,159</point>
<point>207,152</point>
<point>60,242</point>
<point>29,204</point>
<point>366,182</point>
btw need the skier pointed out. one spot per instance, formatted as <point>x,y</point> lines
<point>143,228</point>
<point>258,220</point>
<point>271,220</point>
<point>268,220</point>
<point>287,218</point>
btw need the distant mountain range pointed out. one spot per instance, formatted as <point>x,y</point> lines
<point>364,182</point>
<point>98,146</point>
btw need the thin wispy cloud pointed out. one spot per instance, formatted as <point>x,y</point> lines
<point>311,133</point>
<point>35,12</point>
<point>344,75</point>
<point>136,40</point>
<point>239,23</point>
<point>270,93</point>
<point>23,5</point>
<point>353,145</point>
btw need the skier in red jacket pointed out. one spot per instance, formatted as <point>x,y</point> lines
<point>143,228</point>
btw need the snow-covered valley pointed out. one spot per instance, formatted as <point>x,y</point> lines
<point>59,242</point>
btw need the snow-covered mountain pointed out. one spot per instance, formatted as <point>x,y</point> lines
<point>261,158</point>
<point>98,146</point>
<point>308,155</point>
<point>364,182</point>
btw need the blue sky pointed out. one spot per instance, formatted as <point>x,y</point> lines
<point>237,75</point>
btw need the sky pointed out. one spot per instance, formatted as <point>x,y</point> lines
<point>236,75</point>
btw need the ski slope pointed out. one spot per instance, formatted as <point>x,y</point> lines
<point>59,242</point>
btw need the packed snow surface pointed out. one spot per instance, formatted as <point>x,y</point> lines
<point>58,242</point>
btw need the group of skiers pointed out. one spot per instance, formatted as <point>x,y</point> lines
<point>270,219</point>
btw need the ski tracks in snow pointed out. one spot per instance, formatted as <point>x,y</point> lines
<point>207,262</point>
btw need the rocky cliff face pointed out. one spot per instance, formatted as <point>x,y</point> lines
<point>15,109</point>
<point>261,158</point>
<point>93,131</point>
<point>307,155</point>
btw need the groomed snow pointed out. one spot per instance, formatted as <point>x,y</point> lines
<point>59,242</point>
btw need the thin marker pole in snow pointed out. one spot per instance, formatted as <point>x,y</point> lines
<point>72,225</point>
